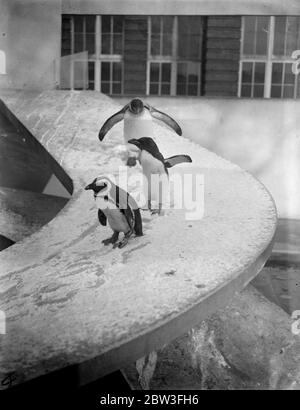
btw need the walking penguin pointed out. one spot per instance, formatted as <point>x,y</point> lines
<point>118,208</point>
<point>154,164</point>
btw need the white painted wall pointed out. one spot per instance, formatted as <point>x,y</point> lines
<point>30,36</point>
<point>262,136</point>
<point>188,7</point>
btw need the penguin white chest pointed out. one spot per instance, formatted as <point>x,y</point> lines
<point>137,125</point>
<point>115,218</point>
<point>151,165</point>
<point>157,182</point>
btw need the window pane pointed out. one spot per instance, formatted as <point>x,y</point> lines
<point>246,91</point>
<point>279,35</point>
<point>288,91</point>
<point>105,24</point>
<point>167,44</point>
<point>259,74</point>
<point>117,71</point>
<point>165,89</point>
<point>181,73</point>
<point>247,73</point>
<point>249,35</point>
<point>90,43</point>
<point>249,23</point>
<point>78,24</point>
<point>293,29</point>
<point>262,35</point>
<point>195,24</point>
<point>258,91</point>
<point>117,44</point>
<point>277,73</point>
<point>192,89</point>
<point>166,72</point>
<point>276,91</point>
<point>66,36</point>
<point>91,86</point>
<point>194,48</point>
<point>90,24</point>
<point>91,71</point>
<point>155,44</point>
<point>116,88</point>
<point>289,76</point>
<point>105,71</point>
<point>105,49</point>
<point>189,37</point>
<point>181,89</point>
<point>193,70</point>
<point>118,24</point>
<point>167,24</point>
<point>154,72</point>
<point>78,43</point>
<point>104,87</point>
<point>154,89</point>
<point>183,46</point>
<point>155,24</point>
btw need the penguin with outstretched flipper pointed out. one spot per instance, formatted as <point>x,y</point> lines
<point>137,117</point>
<point>118,208</point>
<point>138,122</point>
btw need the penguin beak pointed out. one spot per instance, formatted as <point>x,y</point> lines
<point>89,186</point>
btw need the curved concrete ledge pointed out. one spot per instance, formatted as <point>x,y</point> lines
<point>70,301</point>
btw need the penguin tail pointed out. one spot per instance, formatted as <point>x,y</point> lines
<point>176,159</point>
<point>138,226</point>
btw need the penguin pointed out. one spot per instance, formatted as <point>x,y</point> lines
<point>138,123</point>
<point>153,163</point>
<point>118,208</point>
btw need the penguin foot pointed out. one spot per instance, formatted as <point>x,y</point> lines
<point>113,239</point>
<point>123,242</point>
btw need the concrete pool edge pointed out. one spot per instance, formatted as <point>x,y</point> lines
<point>246,275</point>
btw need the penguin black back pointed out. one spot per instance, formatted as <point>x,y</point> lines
<point>148,144</point>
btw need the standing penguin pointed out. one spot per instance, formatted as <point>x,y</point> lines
<point>154,164</point>
<point>138,122</point>
<point>118,208</point>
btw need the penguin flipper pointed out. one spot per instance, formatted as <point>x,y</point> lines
<point>138,226</point>
<point>129,216</point>
<point>159,115</point>
<point>102,218</point>
<point>177,159</point>
<point>111,121</point>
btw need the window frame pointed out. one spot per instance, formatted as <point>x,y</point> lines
<point>97,58</point>
<point>173,59</point>
<point>269,60</point>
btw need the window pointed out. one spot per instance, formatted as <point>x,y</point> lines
<point>112,45</point>
<point>174,55</point>
<point>92,53</point>
<point>266,63</point>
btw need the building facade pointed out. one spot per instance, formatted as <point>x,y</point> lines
<point>245,56</point>
<point>159,48</point>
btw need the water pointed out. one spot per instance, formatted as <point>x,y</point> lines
<point>280,283</point>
